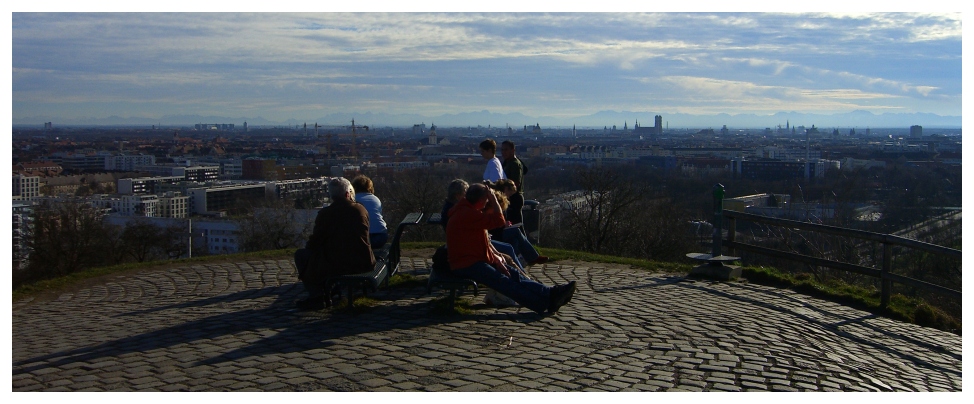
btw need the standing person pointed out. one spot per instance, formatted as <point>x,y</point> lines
<point>514,168</point>
<point>494,170</point>
<point>470,255</point>
<point>378,232</point>
<point>339,244</point>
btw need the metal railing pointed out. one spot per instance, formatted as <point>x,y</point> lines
<point>885,273</point>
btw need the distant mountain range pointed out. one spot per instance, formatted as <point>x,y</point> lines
<point>854,119</point>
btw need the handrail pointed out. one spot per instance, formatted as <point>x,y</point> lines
<point>888,241</point>
<point>842,231</point>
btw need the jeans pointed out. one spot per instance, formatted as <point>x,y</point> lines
<point>507,249</point>
<point>524,291</point>
<point>519,241</point>
<point>377,240</point>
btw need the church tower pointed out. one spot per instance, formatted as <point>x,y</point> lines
<point>432,139</point>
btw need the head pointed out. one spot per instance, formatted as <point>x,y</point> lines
<point>501,199</point>
<point>506,186</point>
<point>507,149</point>
<point>362,185</point>
<point>457,190</point>
<point>340,188</point>
<point>488,149</point>
<point>477,195</point>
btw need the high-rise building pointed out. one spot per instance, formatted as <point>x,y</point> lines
<point>916,131</point>
<point>26,187</point>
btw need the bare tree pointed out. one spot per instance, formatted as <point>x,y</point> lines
<point>273,224</point>
<point>603,223</point>
<point>66,238</point>
<point>143,241</point>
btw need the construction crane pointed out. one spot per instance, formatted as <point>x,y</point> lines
<point>354,134</point>
<point>353,127</point>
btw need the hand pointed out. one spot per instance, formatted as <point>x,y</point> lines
<point>503,269</point>
<point>508,259</point>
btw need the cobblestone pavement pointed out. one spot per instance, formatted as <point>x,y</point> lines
<point>233,327</point>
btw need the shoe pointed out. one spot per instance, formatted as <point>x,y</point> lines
<point>560,296</point>
<point>311,303</point>
<point>540,260</point>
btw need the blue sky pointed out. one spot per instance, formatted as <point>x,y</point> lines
<point>68,67</point>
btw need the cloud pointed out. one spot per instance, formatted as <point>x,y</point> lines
<point>550,62</point>
<point>710,95</point>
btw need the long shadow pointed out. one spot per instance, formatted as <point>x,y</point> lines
<point>295,331</point>
<point>833,327</point>
<point>672,280</point>
<point>861,322</point>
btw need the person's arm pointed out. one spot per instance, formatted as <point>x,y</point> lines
<point>492,204</point>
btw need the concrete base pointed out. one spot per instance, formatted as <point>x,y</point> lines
<point>716,272</point>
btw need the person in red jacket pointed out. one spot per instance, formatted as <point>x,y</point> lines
<point>470,256</point>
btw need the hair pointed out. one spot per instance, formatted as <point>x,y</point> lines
<point>489,145</point>
<point>338,187</point>
<point>501,199</point>
<point>508,143</point>
<point>456,187</point>
<point>476,192</point>
<point>503,184</point>
<point>362,184</point>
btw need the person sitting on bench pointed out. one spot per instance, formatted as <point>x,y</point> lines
<point>455,193</point>
<point>339,244</point>
<point>364,194</point>
<point>470,255</point>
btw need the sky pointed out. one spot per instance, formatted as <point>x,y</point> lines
<point>75,67</point>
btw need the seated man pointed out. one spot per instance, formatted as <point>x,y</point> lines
<point>455,193</point>
<point>470,255</point>
<point>339,244</point>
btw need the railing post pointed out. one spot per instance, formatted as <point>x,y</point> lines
<point>887,285</point>
<point>718,218</point>
<point>731,233</point>
<point>715,268</point>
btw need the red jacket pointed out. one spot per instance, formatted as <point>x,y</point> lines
<point>466,234</point>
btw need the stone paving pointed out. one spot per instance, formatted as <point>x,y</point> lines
<point>233,327</point>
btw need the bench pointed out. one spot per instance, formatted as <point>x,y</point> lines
<point>386,265</point>
<point>435,218</point>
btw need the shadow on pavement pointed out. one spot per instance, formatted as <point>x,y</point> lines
<point>834,327</point>
<point>283,328</point>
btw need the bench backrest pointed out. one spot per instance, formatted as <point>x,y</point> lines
<point>392,259</point>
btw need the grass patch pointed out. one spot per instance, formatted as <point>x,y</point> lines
<point>402,280</point>
<point>900,307</point>
<point>62,283</point>
<point>447,306</point>
<point>418,245</point>
<point>556,254</point>
<point>359,305</point>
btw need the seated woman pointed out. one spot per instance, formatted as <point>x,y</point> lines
<point>512,235</point>
<point>378,233</point>
<point>515,201</point>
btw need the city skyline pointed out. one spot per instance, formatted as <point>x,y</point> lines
<point>75,68</point>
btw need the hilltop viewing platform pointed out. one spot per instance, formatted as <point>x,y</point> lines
<point>232,326</point>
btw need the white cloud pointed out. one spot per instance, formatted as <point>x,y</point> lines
<point>388,60</point>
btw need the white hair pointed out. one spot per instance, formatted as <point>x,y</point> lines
<point>338,187</point>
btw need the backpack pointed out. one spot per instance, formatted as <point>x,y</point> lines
<point>440,260</point>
